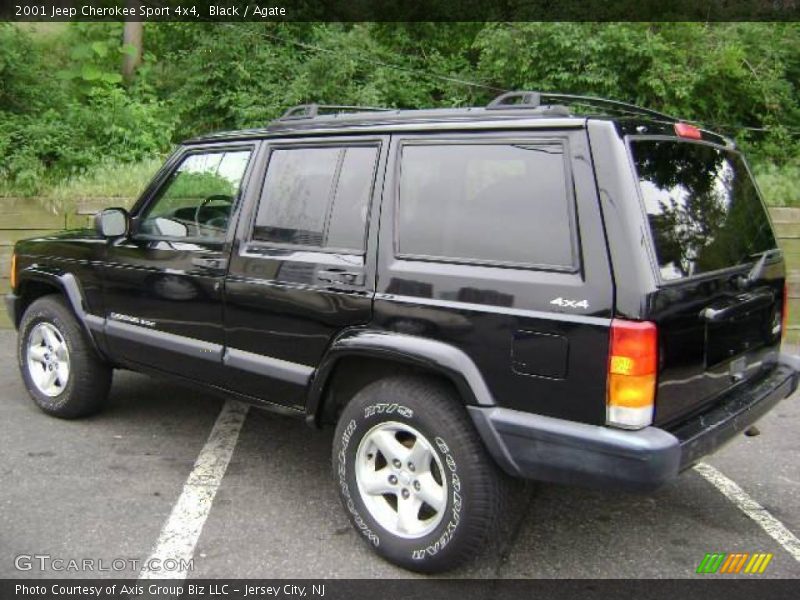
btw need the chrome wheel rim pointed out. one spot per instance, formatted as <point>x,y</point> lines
<point>48,359</point>
<point>401,480</point>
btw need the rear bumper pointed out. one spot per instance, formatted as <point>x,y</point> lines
<point>548,449</point>
<point>12,302</point>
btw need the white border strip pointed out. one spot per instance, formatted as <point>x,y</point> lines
<point>183,527</point>
<point>731,490</point>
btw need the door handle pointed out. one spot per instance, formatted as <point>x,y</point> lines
<point>207,262</point>
<point>341,276</point>
<point>743,304</point>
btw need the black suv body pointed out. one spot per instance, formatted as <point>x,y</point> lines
<point>570,298</point>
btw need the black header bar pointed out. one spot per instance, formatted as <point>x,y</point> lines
<point>743,588</point>
<point>399,10</point>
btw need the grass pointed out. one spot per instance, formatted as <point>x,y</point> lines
<point>106,180</point>
<point>780,185</point>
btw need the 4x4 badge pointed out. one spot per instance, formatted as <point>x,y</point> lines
<point>565,303</point>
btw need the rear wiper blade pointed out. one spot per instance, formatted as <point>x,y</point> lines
<point>758,268</point>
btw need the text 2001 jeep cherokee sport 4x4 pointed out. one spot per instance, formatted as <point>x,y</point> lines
<point>466,294</point>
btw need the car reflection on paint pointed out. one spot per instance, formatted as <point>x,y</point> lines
<point>172,286</point>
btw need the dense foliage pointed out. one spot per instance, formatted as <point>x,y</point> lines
<point>64,108</point>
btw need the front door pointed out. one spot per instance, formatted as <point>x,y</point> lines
<point>301,271</point>
<point>164,283</point>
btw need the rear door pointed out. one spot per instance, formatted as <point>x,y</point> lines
<point>493,242</point>
<point>720,276</point>
<point>301,271</point>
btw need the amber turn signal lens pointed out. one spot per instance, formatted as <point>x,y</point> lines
<point>631,391</point>
<point>13,272</point>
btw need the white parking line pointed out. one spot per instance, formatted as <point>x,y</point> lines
<point>751,508</point>
<point>182,529</point>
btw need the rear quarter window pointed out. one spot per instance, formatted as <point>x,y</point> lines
<point>496,203</point>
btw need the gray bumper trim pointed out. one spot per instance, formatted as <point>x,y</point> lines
<point>548,449</point>
<point>561,451</point>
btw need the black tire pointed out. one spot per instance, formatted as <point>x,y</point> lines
<point>89,379</point>
<point>477,490</point>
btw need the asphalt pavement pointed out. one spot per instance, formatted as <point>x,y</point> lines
<point>102,488</point>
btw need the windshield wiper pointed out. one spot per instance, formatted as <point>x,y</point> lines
<point>757,270</point>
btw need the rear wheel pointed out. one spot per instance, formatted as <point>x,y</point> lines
<point>60,368</point>
<point>413,474</point>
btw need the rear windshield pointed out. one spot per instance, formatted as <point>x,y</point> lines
<point>704,210</point>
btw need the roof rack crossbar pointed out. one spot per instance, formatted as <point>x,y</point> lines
<point>508,100</point>
<point>528,99</point>
<point>309,111</point>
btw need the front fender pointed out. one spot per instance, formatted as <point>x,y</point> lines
<point>71,289</point>
<point>431,355</point>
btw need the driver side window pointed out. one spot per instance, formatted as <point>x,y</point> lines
<point>198,198</point>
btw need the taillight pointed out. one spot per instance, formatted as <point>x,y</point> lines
<point>632,367</point>
<point>13,272</point>
<point>685,130</point>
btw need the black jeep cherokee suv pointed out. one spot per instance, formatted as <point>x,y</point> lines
<point>517,290</point>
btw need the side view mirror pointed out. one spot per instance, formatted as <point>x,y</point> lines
<point>112,222</point>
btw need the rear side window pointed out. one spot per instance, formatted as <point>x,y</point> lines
<point>704,211</point>
<point>317,197</point>
<point>486,203</point>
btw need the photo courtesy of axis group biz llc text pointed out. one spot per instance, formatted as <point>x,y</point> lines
<point>170,589</point>
<point>438,299</point>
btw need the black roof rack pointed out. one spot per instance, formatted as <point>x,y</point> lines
<point>528,99</point>
<point>309,111</point>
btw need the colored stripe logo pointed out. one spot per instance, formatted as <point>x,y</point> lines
<point>734,563</point>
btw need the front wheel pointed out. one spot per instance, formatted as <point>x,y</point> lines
<point>413,474</point>
<point>60,368</point>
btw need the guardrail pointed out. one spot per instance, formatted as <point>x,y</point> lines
<point>22,218</point>
<point>787,228</point>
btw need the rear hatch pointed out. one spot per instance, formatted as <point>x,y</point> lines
<point>720,298</point>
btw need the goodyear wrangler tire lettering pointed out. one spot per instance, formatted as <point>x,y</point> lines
<point>436,513</point>
<point>455,485</point>
<point>345,490</point>
<point>383,408</point>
